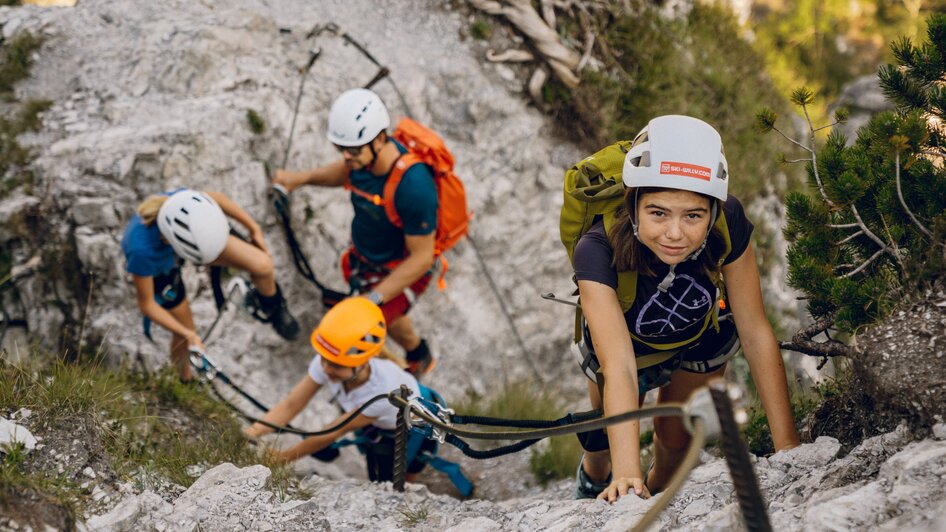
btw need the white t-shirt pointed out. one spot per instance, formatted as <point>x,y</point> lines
<point>385,376</point>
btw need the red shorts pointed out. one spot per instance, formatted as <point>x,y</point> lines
<point>362,276</point>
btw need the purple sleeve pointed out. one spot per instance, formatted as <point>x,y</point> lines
<point>593,258</point>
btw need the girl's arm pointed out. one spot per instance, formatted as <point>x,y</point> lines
<point>144,292</point>
<point>287,409</point>
<point>315,444</point>
<point>231,209</point>
<point>760,346</point>
<point>612,344</point>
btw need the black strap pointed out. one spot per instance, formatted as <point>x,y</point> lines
<point>477,454</point>
<point>281,205</point>
<point>575,417</point>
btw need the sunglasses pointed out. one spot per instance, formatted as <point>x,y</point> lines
<point>354,151</point>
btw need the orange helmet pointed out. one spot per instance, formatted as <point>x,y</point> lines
<point>351,332</point>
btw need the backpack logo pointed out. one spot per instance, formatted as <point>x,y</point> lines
<point>685,170</point>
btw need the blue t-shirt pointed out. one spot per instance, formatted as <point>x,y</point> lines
<point>145,253</point>
<point>662,317</point>
<point>374,236</point>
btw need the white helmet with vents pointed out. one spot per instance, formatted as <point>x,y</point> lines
<point>194,225</point>
<point>678,152</point>
<point>356,118</point>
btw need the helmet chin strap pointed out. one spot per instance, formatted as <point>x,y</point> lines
<point>354,376</point>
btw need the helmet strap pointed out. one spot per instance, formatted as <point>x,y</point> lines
<point>634,217</point>
<point>354,376</point>
<point>714,212</point>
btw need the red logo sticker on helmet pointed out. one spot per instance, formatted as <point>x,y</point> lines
<point>686,170</point>
<point>324,343</point>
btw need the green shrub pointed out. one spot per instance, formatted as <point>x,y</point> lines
<point>16,60</point>
<point>256,122</point>
<point>676,67</point>
<point>874,227</point>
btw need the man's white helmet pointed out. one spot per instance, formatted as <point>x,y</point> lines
<point>194,225</point>
<point>356,118</point>
<point>678,152</point>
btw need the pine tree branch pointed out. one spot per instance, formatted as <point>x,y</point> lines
<point>904,203</point>
<point>814,159</point>
<point>827,126</point>
<point>866,263</point>
<point>852,237</point>
<point>802,341</point>
<point>793,141</point>
<point>844,226</point>
<point>857,216</point>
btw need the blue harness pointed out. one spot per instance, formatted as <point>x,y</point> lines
<point>430,399</point>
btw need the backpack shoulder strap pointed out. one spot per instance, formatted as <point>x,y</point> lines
<point>401,165</point>
<point>627,280</point>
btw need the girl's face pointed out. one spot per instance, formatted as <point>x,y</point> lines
<point>336,372</point>
<point>673,223</point>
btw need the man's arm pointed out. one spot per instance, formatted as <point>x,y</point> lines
<point>330,175</point>
<point>417,263</point>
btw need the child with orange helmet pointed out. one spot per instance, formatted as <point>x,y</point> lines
<point>347,344</point>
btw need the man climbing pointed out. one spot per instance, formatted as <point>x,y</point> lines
<point>389,263</point>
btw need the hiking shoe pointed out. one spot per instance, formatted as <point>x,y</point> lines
<point>420,361</point>
<point>274,311</point>
<point>284,323</point>
<point>584,487</point>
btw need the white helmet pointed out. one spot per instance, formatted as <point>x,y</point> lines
<point>356,118</point>
<point>194,225</point>
<point>678,152</point>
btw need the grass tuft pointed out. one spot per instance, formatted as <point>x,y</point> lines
<point>153,424</point>
<point>480,30</point>
<point>412,517</point>
<point>551,460</point>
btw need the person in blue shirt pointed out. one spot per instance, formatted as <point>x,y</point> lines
<point>391,266</point>
<point>192,225</point>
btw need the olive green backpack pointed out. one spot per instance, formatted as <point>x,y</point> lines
<point>594,190</point>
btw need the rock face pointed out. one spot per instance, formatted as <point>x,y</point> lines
<point>884,484</point>
<point>150,96</point>
<point>901,361</point>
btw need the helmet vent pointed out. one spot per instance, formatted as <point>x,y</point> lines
<point>721,173</point>
<point>361,133</point>
<point>643,160</point>
<point>182,224</point>
<point>186,242</point>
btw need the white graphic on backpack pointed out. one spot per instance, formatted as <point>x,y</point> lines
<point>666,313</point>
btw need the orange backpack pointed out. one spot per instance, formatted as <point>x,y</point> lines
<point>425,146</point>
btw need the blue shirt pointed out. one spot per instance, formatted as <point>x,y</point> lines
<point>145,253</point>
<point>374,236</point>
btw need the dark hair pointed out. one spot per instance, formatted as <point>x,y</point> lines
<point>631,254</point>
